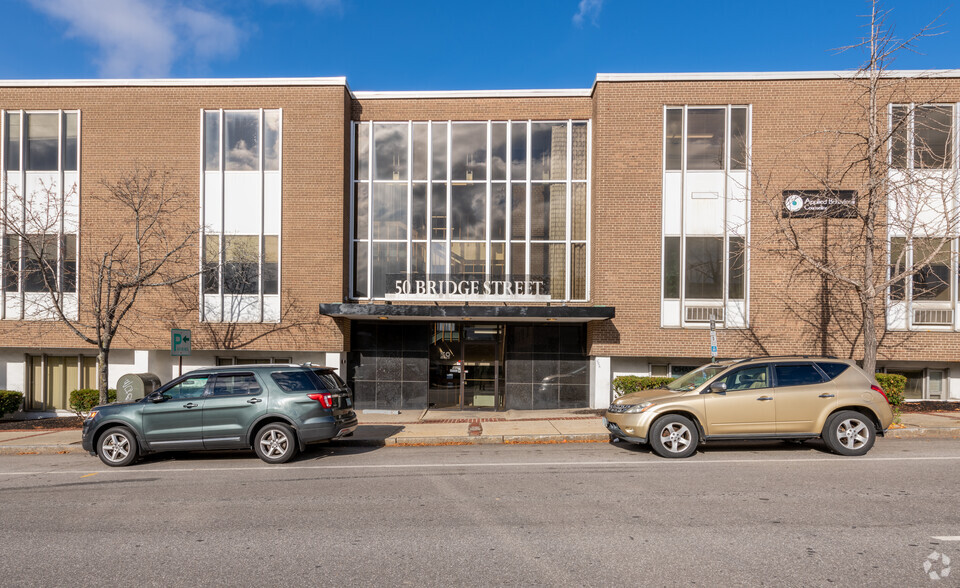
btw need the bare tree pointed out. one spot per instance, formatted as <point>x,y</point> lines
<point>149,247</point>
<point>895,162</point>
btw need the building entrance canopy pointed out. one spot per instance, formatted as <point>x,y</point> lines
<point>500,314</point>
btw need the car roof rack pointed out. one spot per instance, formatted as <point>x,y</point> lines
<point>759,357</point>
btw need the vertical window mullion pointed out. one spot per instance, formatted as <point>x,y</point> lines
<point>449,212</point>
<point>221,271</point>
<point>428,269</point>
<point>260,239</point>
<point>589,234</point>
<point>3,202</point>
<point>23,209</point>
<point>488,181</point>
<point>508,218</point>
<point>568,235</point>
<point>683,206</point>
<point>372,162</point>
<point>529,210</point>
<point>61,207</point>
<point>410,163</point>
<point>725,243</point>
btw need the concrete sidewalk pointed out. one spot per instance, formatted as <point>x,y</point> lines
<point>413,428</point>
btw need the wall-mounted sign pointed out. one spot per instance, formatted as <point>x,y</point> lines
<point>470,290</point>
<point>819,204</point>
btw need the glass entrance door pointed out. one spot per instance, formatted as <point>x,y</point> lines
<point>466,366</point>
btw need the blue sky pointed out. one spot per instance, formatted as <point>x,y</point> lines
<point>449,45</point>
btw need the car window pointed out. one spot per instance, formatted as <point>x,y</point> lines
<point>235,384</point>
<point>299,381</point>
<point>329,379</point>
<point>832,369</point>
<point>747,378</point>
<point>189,388</point>
<point>797,374</point>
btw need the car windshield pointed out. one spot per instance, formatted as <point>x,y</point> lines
<point>691,380</point>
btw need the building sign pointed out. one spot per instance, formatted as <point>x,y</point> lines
<point>179,342</point>
<point>470,290</point>
<point>819,204</point>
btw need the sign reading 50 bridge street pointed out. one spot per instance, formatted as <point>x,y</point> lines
<point>470,290</point>
<point>819,204</point>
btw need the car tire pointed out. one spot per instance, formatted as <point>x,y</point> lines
<point>849,433</point>
<point>275,443</point>
<point>117,447</point>
<point>673,435</point>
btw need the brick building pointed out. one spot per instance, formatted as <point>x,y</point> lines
<point>482,249</point>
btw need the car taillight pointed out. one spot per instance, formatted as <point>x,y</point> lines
<point>882,393</point>
<point>324,398</point>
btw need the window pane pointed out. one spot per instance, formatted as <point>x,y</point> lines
<point>932,280</point>
<point>468,261</point>
<point>271,264</point>
<point>518,215</point>
<point>420,151</point>
<point>518,256</point>
<point>578,285</point>
<point>241,268</point>
<point>295,382</point>
<point>898,137</point>
<point>418,229</point>
<point>931,132</point>
<point>705,138</point>
<point>832,369</point>
<point>703,269</point>
<point>469,151</point>
<point>11,263</point>
<point>579,212</point>
<point>498,212</point>
<point>548,264</point>
<point>751,378</point>
<point>69,263</point>
<point>518,151</point>
<point>271,140</point>
<point>579,151</point>
<point>418,263</point>
<point>242,141</point>
<point>12,148</point>
<point>438,211</point>
<point>189,388</point>
<point>548,151</point>
<point>498,261</point>
<point>42,142</point>
<point>469,214</point>
<point>438,260</point>
<point>498,151</point>
<point>360,270</point>
<point>389,264</point>
<point>362,146</point>
<point>40,263</point>
<point>671,267</point>
<point>736,264</point>
<point>439,134</point>
<point>389,211</point>
<point>898,263</point>
<point>798,374</point>
<point>548,214</point>
<point>211,264</point>
<point>70,131</point>
<point>211,140</point>
<point>235,384</point>
<point>362,208</point>
<point>738,138</point>
<point>673,139</point>
<point>390,151</point>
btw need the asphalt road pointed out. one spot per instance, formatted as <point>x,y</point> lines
<point>549,515</point>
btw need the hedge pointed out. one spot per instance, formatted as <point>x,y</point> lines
<point>85,399</point>
<point>627,384</point>
<point>10,401</point>
<point>893,386</point>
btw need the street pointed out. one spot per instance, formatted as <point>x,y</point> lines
<point>550,515</point>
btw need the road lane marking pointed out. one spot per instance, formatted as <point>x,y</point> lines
<point>88,475</point>
<point>565,464</point>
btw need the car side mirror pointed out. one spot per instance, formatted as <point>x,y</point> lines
<point>718,387</point>
<point>156,397</point>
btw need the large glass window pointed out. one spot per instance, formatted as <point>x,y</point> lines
<point>931,282</point>
<point>921,136</point>
<point>479,197</point>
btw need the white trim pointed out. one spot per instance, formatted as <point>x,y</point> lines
<point>125,82</point>
<point>771,75</point>
<point>398,95</point>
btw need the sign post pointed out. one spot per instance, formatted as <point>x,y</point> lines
<point>713,339</point>
<point>180,345</point>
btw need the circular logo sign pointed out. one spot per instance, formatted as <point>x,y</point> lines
<point>793,203</point>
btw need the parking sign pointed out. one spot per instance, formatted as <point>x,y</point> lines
<point>179,342</point>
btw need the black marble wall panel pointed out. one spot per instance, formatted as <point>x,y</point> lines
<point>388,365</point>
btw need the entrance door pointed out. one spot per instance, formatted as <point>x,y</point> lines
<point>466,366</point>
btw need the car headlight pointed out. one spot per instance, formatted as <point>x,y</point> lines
<point>639,407</point>
<point>92,415</point>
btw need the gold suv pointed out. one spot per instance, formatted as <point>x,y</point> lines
<point>757,398</point>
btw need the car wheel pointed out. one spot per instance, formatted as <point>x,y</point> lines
<point>275,443</point>
<point>673,435</point>
<point>849,433</point>
<point>117,447</point>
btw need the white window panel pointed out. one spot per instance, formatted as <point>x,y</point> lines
<point>670,313</point>
<point>211,308</point>
<point>12,306</point>
<point>271,203</point>
<point>737,204</point>
<point>212,212</point>
<point>271,309</point>
<point>241,308</point>
<point>735,316</point>
<point>672,201</point>
<point>897,316</point>
<point>41,187</point>
<point>37,306</point>
<point>703,216</point>
<point>14,194</point>
<point>241,204</point>
<point>71,202</point>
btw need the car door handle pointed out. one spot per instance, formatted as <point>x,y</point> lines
<point>190,405</point>
<point>825,395</point>
<point>765,398</point>
<point>254,400</point>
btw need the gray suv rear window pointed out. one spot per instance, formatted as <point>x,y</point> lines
<point>298,381</point>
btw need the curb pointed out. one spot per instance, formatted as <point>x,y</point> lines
<point>924,432</point>
<point>40,449</point>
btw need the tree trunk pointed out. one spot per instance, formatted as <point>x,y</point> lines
<point>869,336</point>
<point>103,376</point>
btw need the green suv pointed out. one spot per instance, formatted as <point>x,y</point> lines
<point>275,409</point>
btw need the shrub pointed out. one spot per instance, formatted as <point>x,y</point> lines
<point>627,384</point>
<point>893,386</point>
<point>84,400</point>
<point>10,401</point>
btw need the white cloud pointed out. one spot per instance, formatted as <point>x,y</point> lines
<point>588,10</point>
<point>317,5</point>
<point>143,38</point>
